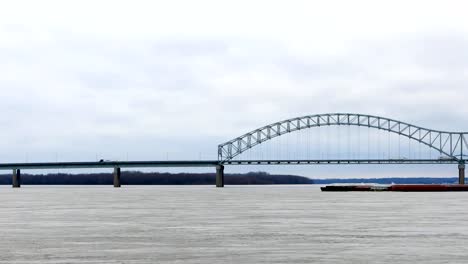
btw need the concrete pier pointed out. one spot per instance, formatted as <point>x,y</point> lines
<point>219,176</point>
<point>116,177</point>
<point>461,173</point>
<point>16,180</point>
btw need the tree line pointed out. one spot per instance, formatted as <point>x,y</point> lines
<point>154,178</point>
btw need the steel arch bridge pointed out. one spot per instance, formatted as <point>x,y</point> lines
<point>449,144</point>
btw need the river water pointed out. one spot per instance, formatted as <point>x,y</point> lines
<point>237,224</point>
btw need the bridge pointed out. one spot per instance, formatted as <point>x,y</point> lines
<point>443,147</point>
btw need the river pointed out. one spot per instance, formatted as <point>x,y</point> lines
<point>235,224</point>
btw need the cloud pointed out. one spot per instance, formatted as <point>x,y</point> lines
<point>88,85</point>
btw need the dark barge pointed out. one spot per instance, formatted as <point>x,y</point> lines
<point>396,188</point>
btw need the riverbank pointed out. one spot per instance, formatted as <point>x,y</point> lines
<point>154,178</point>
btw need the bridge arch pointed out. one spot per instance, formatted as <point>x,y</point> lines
<point>451,144</point>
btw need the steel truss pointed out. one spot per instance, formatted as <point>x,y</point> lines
<point>449,144</point>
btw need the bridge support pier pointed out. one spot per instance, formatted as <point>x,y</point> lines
<point>16,179</point>
<point>219,176</point>
<point>117,177</point>
<point>461,173</point>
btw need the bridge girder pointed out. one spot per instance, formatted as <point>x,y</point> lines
<point>451,144</point>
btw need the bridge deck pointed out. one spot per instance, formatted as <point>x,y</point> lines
<point>340,162</point>
<point>107,164</point>
<point>211,163</point>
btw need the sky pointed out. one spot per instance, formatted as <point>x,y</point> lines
<point>152,80</point>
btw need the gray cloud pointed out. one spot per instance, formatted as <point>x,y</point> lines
<point>76,93</point>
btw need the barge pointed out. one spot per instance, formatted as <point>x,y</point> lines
<point>396,188</point>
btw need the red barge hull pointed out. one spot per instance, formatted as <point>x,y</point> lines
<point>397,188</point>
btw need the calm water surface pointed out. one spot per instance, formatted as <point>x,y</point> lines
<point>237,224</point>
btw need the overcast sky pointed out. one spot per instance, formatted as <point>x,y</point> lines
<point>151,80</point>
